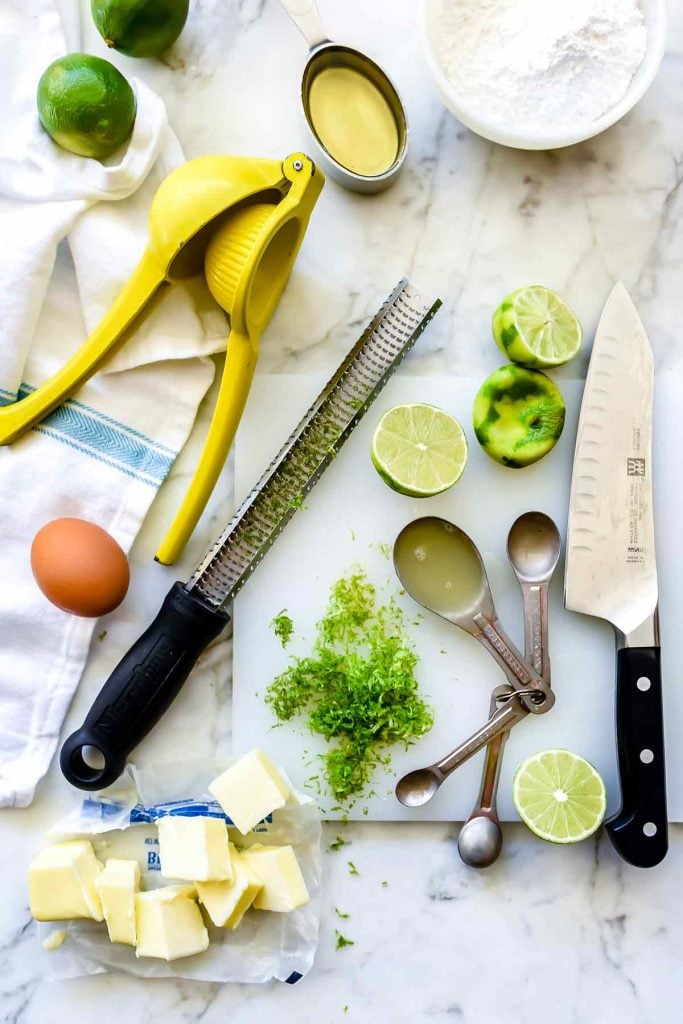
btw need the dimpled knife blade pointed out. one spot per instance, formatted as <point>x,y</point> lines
<point>313,444</point>
<point>151,673</point>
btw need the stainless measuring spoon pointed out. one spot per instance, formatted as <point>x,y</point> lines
<point>323,54</point>
<point>441,569</point>
<point>533,550</point>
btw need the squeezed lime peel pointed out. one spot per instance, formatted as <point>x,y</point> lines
<point>358,686</point>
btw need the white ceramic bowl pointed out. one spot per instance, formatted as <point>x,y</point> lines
<point>655,14</point>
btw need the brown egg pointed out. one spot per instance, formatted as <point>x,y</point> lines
<point>79,567</point>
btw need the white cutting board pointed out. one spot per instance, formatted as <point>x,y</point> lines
<point>351,509</point>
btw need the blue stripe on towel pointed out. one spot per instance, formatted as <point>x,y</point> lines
<point>102,438</point>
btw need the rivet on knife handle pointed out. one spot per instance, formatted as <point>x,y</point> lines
<point>639,830</point>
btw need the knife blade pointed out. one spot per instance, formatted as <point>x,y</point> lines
<point>611,569</point>
<point>151,673</point>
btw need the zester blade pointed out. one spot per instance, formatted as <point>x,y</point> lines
<point>387,339</point>
<point>611,570</point>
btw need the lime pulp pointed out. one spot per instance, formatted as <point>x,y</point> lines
<point>535,328</point>
<point>559,796</point>
<point>419,450</point>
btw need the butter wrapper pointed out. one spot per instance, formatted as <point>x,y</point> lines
<point>121,822</point>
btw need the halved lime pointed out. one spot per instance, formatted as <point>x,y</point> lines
<point>559,796</point>
<point>419,450</point>
<point>534,327</point>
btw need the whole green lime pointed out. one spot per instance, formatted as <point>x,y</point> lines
<point>139,28</point>
<point>86,105</point>
<point>518,415</point>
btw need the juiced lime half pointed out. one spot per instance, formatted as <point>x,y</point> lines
<point>518,415</point>
<point>559,796</point>
<point>419,450</point>
<point>535,328</point>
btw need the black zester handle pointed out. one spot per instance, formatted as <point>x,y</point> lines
<point>141,688</point>
<point>639,830</point>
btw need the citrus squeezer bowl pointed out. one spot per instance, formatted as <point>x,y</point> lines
<point>239,220</point>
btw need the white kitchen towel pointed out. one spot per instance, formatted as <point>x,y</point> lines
<point>103,455</point>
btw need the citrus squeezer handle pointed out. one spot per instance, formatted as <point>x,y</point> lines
<point>140,689</point>
<point>19,417</point>
<point>240,362</point>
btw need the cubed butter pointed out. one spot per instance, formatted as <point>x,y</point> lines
<point>194,849</point>
<point>284,888</point>
<point>250,790</point>
<point>169,923</point>
<point>227,902</point>
<point>117,885</point>
<point>62,882</point>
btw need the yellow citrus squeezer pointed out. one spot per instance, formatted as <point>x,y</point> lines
<point>241,221</point>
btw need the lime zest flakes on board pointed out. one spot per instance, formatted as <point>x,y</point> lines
<point>283,627</point>
<point>535,328</point>
<point>342,940</point>
<point>357,687</point>
<point>559,796</point>
<point>419,450</point>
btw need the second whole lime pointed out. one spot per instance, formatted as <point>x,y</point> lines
<point>139,28</point>
<point>86,105</point>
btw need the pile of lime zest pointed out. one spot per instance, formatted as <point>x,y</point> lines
<point>358,686</point>
<point>283,627</point>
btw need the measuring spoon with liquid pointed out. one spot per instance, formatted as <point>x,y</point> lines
<point>441,569</point>
<point>351,106</point>
<point>533,549</point>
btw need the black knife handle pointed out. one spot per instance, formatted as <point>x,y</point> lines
<point>140,689</point>
<point>639,830</point>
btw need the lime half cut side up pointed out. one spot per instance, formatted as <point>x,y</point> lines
<point>559,796</point>
<point>535,328</point>
<point>419,450</point>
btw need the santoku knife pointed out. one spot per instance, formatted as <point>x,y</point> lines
<point>611,570</point>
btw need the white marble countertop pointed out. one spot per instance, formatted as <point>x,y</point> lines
<point>568,935</point>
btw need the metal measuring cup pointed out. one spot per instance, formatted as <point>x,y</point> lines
<point>324,53</point>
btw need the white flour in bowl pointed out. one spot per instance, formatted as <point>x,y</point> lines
<point>540,65</point>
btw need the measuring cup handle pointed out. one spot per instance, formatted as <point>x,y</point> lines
<point>304,14</point>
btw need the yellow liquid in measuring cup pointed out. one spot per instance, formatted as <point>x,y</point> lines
<point>440,568</point>
<point>353,121</point>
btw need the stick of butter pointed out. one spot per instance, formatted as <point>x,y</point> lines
<point>194,849</point>
<point>117,885</point>
<point>169,923</point>
<point>250,790</point>
<point>62,882</point>
<point>284,888</point>
<point>227,902</point>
